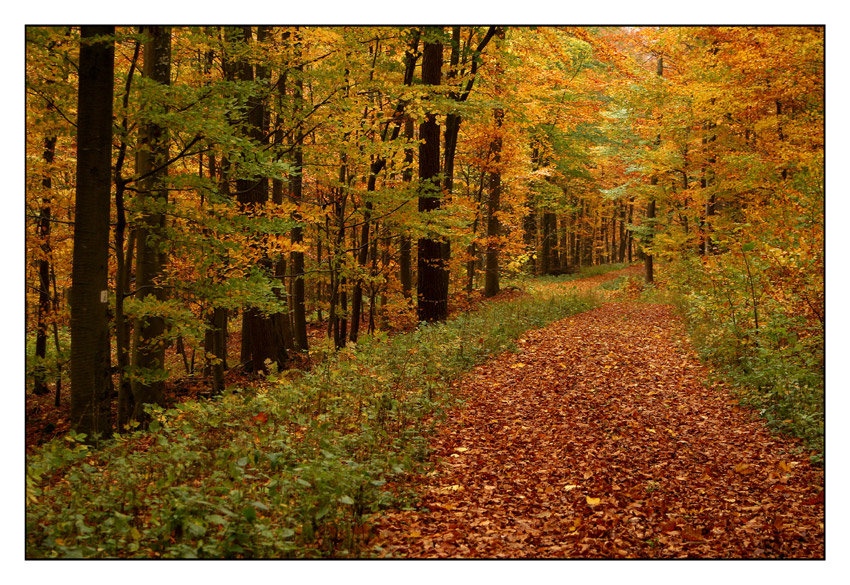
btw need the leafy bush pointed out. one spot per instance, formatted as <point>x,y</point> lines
<point>755,333</point>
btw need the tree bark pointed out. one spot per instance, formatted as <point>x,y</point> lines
<point>44,301</point>
<point>90,362</point>
<point>650,208</point>
<point>494,228</point>
<point>299,309</point>
<point>405,261</point>
<point>432,269</point>
<point>148,359</point>
<point>262,340</point>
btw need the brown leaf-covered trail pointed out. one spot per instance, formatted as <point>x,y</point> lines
<point>601,438</point>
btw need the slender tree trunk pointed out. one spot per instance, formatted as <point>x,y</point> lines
<point>90,362</point>
<point>262,340</point>
<point>148,359</point>
<point>44,302</point>
<point>362,253</point>
<point>405,261</point>
<point>123,258</point>
<point>548,247</point>
<point>650,216</point>
<point>707,182</point>
<point>299,309</point>
<point>621,254</point>
<point>494,227</point>
<point>650,208</point>
<point>405,244</point>
<point>215,335</point>
<point>629,236</point>
<point>563,248</point>
<point>472,249</point>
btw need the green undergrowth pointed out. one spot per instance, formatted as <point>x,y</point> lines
<point>778,375</point>
<point>775,368</point>
<point>532,282</point>
<point>290,468</point>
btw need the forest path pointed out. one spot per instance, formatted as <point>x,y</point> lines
<point>601,438</point>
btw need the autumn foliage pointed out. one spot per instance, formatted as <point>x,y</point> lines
<point>282,195</point>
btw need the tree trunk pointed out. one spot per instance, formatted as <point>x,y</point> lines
<point>650,208</point>
<point>262,341</point>
<point>650,216</point>
<point>629,236</point>
<point>362,253</point>
<point>299,309</point>
<point>44,303</point>
<point>621,254</point>
<point>494,228</point>
<point>432,270</point>
<point>90,362</point>
<point>405,261</point>
<point>148,359</point>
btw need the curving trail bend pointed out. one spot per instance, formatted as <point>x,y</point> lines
<point>601,438</point>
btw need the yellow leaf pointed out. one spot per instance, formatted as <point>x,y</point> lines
<point>592,501</point>
<point>570,487</point>
<point>461,449</point>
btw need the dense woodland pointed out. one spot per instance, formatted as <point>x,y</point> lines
<point>220,206</point>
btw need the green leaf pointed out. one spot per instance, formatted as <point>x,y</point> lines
<point>346,500</point>
<point>249,513</point>
<point>748,247</point>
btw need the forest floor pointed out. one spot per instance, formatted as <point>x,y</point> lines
<point>602,437</point>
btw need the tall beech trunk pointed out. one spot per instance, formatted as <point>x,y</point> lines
<point>707,182</point>
<point>563,247</point>
<point>337,317</point>
<point>650,208</point>
<point>494,228</point>
<point>299,309</point>
<point>262,341</point>
<point>377,165</point>
<point>549,253</point>
<point>215,335</point>
<point>431,266</point>
<point>650,215</point>
<point>621,253</point>
<point>124,255</point>
<point>363,251</point>
<point>404,246</point>
<point>44,301</point>
<point>148,358</point>
<point>472,249</point>
<point>90,362</point>
<point>629,236</point>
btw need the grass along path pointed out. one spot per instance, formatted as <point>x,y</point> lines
<point>600,438</point>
